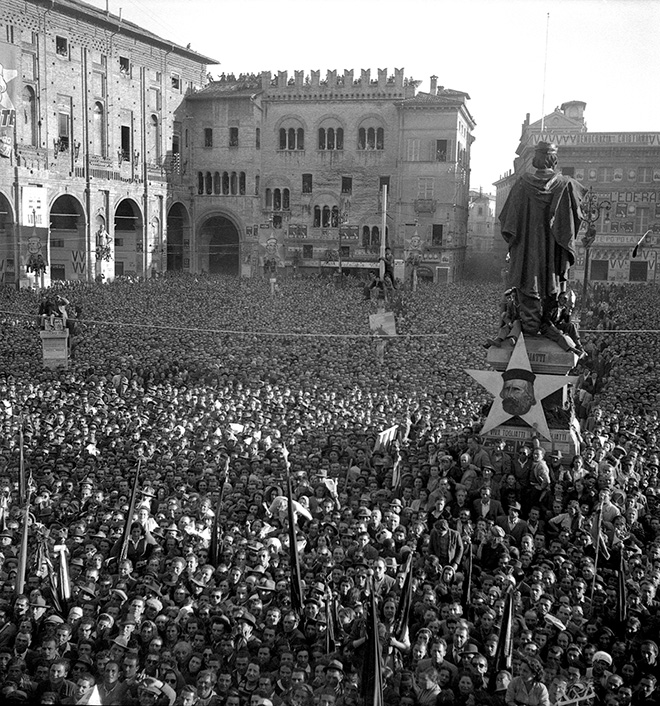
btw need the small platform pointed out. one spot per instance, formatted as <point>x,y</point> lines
<point>55,347</point>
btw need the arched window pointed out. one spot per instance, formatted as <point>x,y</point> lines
<point>29,116</point>
<point>366,237</point>
<point>371,137</point>
<point>334,218</point>
<point>285,200</point>
<point>225,183</point>
<point>241,183</point>
<point>209,183</point>
<point>331,136</point>
<point>200,183</point>
<point>234,184</point>
<point>277,200</point>
<point>217,184</point>
<point>98,130</point>
<point>317,216</point>
<point>269,198</point>
<point>326,216</point>
<point>257,179</point>
<point>375,239</point>
<point>292,137</point>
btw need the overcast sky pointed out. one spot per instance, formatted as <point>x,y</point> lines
<point>603,52</point>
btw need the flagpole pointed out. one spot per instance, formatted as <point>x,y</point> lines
<point>22,562</point>
<point>599,520</point>
<point>294,558</point>
<point>129,517</point>
<point>22,485</point>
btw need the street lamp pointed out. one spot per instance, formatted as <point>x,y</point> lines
<point>592,209</point>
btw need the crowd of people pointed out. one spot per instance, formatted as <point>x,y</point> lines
<point>215,392</point>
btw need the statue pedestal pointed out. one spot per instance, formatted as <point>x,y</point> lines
<point>55,347</point>
<point>565,440</point>
<point>545,358</point>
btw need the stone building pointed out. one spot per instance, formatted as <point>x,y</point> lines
<point>622,170</point>
<point>89,141</point>
<point>291,169</point>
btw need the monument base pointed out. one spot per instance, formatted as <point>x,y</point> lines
<point>55,347</point>
<point>565,440</point>
<point>545,356</point>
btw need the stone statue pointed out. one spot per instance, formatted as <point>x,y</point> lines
<point>540,221</point>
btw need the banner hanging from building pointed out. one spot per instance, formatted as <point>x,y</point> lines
<point>8,96</point>
<point>34,228</point>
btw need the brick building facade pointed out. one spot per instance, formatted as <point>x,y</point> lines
<point>88,141</point>
<point>297,164</point>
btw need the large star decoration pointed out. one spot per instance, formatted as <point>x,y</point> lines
<point>6,75</point>
<point>518,379</point>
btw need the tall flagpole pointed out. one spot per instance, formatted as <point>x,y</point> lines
<point>545,71</point>
<point>383,240</point>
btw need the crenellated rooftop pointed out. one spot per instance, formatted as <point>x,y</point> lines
<point>333,86</point>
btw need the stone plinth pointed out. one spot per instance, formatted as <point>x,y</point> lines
<point>545,356</point>
<point>566,440</point>
<point>55,347</point>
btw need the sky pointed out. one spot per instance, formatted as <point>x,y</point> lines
<point>512,57</point>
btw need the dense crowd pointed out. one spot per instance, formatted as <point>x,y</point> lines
<point>213,390</point>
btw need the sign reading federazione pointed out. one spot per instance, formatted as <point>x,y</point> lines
<point>601,138</point>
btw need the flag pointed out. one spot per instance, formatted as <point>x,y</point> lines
<point>385,438</point>
<point>598,538</point>
<point>639,243</point>
<point>294,558</point>
<point>91,698</point>
<point>402,615</point>
<point>622,593</point>
<point>467,578</point>
<point>129,517</point>
<point>214,544</point>
<point>23,553</point>
<point>331,622</point>
<point>372,667</point>
<point>504,651</point>
<point>396,471</point>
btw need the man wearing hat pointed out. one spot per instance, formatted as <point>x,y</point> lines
<point>512,525</point>
<point>540,221</point>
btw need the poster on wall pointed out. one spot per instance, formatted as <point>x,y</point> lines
<point>34,228</point>
<point>8,96</point>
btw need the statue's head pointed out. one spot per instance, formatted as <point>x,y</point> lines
<point>545,155</point>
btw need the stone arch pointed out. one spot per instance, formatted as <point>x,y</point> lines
<point>129,238</point>
<point>178,232</point>
<point>68,251</point>
<point>8,265</point>
<point>219,245</point>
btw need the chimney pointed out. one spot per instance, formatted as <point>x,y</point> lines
<point>434,85</point>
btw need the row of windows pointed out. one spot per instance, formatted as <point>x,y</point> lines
<point>223,184</point>
<point>99,147</point>
<point>62,49</point>
<point>292,139</point>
